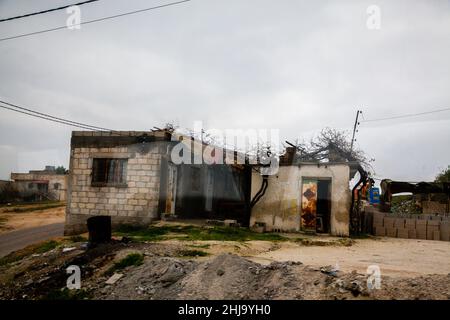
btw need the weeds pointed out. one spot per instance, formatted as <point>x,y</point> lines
<point>75,239</point>
<point>133,259</point>
<point>361,236</point>
<point>192,233</point>
<point>345,242</point>
<point>33,249</point>
<point>31,207</point>
<point>46,246</point>
<point>67,294</point>
<point>193,253</point>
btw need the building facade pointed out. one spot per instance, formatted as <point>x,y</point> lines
<point>44,184</point>
<point>131,177</point>
<point>305,197</point>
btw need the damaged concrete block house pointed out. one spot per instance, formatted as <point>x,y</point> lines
<point>131,177</point>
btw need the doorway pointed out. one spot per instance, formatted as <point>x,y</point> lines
<point>323,206</point>
<point>316,205</point>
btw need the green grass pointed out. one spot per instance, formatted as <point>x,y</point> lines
<point>361,236</point>
<point>77,239</point>
<point>10,258</point>
<point>30,203</point>
<point>154,233</point>
<point>33,249</point>
<point>193,253</point>
<point>133,259</point>
<point>345,242</point>
<point>46,246</point>
<point>34,207</point>
<point>67,294</point>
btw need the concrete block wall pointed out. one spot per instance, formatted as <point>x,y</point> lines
<point>426,227</point>
<point>134,203</point>
<point>430,207</point>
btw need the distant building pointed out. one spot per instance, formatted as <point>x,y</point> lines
<point>44,184</point>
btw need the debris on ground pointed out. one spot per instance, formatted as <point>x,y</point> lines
<point>161,271</point>
<point>114,278</point>
<point>405,207</point>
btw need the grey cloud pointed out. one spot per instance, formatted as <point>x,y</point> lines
<point>297,66</point>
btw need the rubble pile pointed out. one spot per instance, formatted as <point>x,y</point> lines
<point>165,274</point>
<point>229,276</point>
<point>405,207</point>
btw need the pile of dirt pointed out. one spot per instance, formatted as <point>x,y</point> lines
<point>228,276</point>
<point>164,272</point>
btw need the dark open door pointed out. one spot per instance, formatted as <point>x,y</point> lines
<point>323,206</point>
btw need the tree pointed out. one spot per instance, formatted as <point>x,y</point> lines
<point>61,170</point>
<point>332,145</point>
<point>8,193</point>
<point>444,176</point>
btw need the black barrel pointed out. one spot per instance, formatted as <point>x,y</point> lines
<point>99,228</point>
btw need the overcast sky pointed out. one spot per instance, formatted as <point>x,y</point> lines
<point>296,66</point>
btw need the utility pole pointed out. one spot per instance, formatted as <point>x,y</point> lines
<point>354,128</point>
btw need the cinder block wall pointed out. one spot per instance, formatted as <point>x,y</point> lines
<point>424,226</point>
<point>430,207</point>
<point>135,203</point>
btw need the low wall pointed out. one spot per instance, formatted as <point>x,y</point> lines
<point>423,226</point>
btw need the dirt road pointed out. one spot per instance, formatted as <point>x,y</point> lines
<point>19,239</point>
<point>29,216</point>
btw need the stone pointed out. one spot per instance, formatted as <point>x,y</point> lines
<point>114,278</point>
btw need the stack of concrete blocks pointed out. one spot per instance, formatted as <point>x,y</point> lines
<point>378,224</point>
<point>426,227</point>
<point>433,232</point>
<point>410,225</point>
<point>389,224</point>
<point>421,229</point>
<point>445,230</point>
<point>431,207</point>
<point>402,230</point>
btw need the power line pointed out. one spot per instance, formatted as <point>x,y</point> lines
<point>42,117</point>
<point>53,117</point>
<point>47,11</point>
<point>407,115</point>
<point>95,20</point>
<point>30,112</point>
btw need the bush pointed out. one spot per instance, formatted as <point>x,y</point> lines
<point>8,193</point>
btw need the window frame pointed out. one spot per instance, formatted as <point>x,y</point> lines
<point>121,164</point>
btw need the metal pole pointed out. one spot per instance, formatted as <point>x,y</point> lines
<point>354,129</point>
